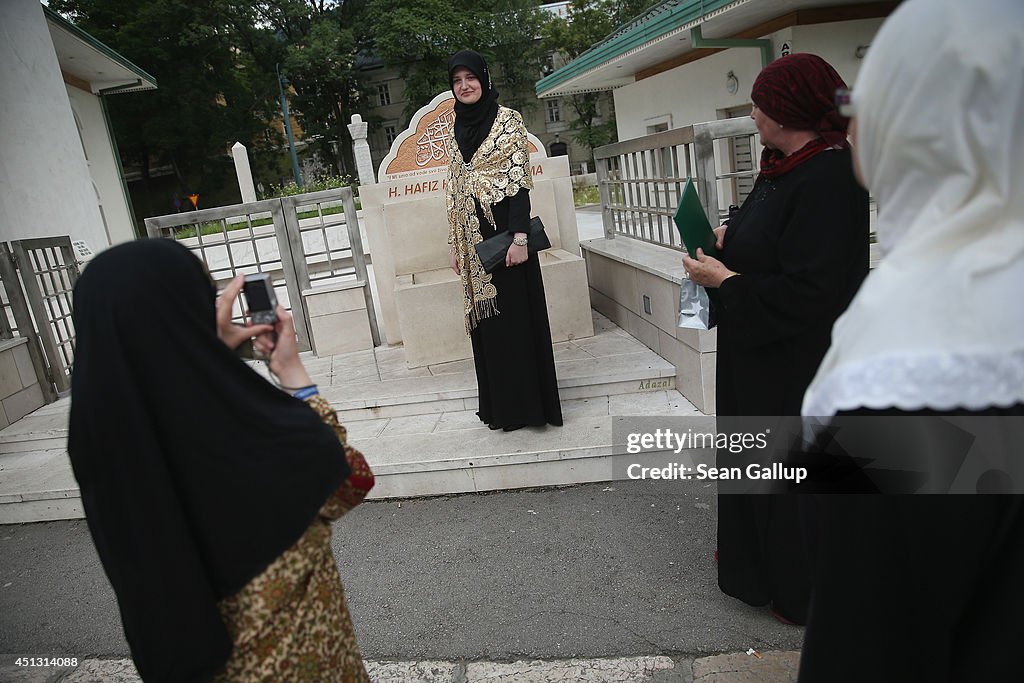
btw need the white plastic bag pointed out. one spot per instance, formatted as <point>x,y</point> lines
<point>694,306</point>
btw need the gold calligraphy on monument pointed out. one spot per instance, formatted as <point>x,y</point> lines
<point>433,144</point>
<point>424,145</point>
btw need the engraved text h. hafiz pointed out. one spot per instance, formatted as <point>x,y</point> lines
<point>433,144</point>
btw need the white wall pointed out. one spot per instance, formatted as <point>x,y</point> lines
<point>837,42</point>
<point>689,94</point>
<point>696,91</point>
<point>102,165</point>
<point>46,186</point>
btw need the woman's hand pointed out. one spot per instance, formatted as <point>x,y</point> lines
<point>517,254</point>
<point>231,334</point>
<point>454,262</point>
<point>706,271</point>
<point>720,236</point>
<point>283,352</point>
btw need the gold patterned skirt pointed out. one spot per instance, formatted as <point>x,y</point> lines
<point>291,623</point>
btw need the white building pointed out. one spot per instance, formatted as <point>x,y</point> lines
<point>682,63</point>
<point>688,61</point>
<point>59,167</point>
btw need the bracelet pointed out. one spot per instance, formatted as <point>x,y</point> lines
<point>305,392</point>
<point>287,388</point>
<point>519,241</point>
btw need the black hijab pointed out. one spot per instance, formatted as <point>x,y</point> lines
<point>195,472</point>
<point>473,121</point>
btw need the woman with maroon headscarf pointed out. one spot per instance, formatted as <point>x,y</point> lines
<point>791,260</point>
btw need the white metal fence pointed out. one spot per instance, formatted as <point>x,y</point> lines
<point>641,180</point>
<point>38,276</point>
<point>302,241</point>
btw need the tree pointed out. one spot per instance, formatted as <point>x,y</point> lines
<point>419,38</point>
<point>314,43</point>
<point>588,23</point>
<point>206,95</point>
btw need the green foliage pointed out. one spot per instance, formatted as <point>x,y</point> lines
<point>217,64</point>
<point>589,22</point>
<point>313,45</point>
<point>583,196</point>
<point>317,184</point>
<point>206,96</point>
<point>418,38</point>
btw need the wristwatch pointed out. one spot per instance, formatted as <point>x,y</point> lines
<point>519,241</point>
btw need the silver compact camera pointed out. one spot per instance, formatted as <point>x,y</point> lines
<point>261,299</point>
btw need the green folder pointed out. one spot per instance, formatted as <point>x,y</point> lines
<point>692,223</point>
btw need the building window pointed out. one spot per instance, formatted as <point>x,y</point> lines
<point>390,134</point>
<point>549,64</point>
<point>384,94</point>
<point>554,113</point>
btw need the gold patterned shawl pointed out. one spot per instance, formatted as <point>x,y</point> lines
<point>498,169</point>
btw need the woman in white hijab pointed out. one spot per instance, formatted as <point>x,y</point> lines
<point>929,588</point>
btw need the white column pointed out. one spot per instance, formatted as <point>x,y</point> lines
<point>242,169</point>
<point>361,150</point>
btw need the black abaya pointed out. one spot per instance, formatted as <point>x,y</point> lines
<point>515,364</point>
<point>171,439</point>
<point>800,244</point>
<point>917,588</point>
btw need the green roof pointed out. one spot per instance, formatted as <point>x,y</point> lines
<point>654,23</point>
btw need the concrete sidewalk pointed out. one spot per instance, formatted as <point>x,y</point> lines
<point>596,572</point>
<point>740,667</point>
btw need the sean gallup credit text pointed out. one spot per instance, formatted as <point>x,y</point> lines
<point>702,472</point>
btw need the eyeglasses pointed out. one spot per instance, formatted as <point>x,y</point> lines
<point>844,103</point>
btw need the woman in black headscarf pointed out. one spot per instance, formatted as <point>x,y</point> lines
<point>207,490</point>
<point>488,191</point>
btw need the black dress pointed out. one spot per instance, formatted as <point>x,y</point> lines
<point>800,244</point>
<point>918,588</point>
<point>515,363</point>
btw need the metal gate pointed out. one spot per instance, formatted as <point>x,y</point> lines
<point>38,277</point>
<point>300,241</point>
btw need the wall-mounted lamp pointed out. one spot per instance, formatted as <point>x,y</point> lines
<point>732,84</point>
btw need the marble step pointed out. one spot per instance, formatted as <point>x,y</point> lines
<point>412,456</point>
<point>38,486</point>
<point>624,373</point>
<point>636,371</point>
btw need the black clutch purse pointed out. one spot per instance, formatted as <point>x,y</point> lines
<point>492,250</point>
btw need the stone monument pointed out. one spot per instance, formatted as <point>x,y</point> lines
<point>361,150</point>
<point>407,229</point>
<point>246,188</point>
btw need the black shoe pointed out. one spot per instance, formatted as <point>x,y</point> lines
<point>495,427</point>
<point>512,428</point>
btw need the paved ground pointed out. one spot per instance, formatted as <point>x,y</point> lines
<point>741,667</point>
<point>599,582</point>
<point>594,572</point>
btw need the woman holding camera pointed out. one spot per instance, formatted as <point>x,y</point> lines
<point>209,492</point>
<point>506,316</point>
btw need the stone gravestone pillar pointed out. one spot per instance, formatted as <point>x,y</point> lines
<point>241,156</point>
<point>361,150</point>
